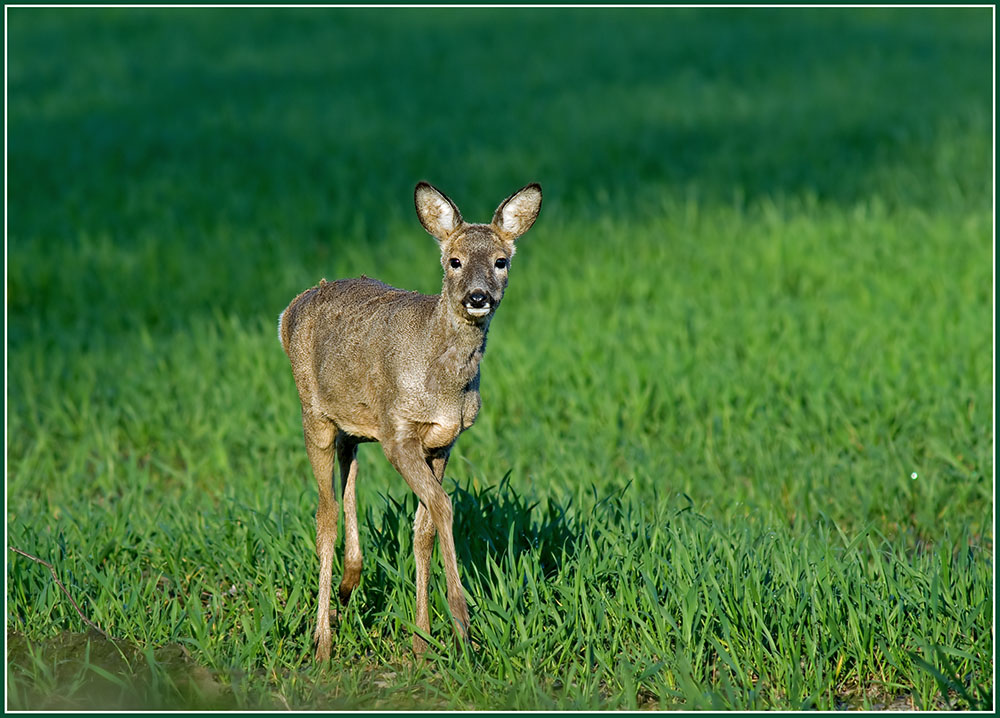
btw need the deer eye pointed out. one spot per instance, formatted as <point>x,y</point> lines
<point>501,263</point>
<point>454,262</point>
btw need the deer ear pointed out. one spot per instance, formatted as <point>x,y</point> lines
<point>517,213</point>
<point>436,212</point>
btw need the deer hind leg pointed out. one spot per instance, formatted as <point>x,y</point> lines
<point>423,544</point>
<point>319,435</point>
<point>347,457</point>
<point>408,458</point>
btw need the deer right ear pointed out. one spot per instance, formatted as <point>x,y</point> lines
<point>436,212</point>
<point>517,213</point>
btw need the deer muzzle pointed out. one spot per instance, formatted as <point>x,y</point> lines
<point>478,303</point>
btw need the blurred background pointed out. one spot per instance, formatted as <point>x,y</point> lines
<point>214,144</point>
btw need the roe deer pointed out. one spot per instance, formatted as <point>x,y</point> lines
<point>375,363</point>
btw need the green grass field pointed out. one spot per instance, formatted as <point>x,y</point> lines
<point>736,448</point>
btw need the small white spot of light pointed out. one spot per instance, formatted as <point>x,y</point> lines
<point>914,476</point>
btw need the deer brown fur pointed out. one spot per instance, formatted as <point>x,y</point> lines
<point>375,363</point>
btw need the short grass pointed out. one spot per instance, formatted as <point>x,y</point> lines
<point>736,448</point>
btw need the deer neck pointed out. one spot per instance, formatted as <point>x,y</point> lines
<point>462,344</point>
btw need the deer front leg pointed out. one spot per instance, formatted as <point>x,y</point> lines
<point>423,544</point>
<point>347,457</point>
<point>319,445</point>
<point>409,459</point>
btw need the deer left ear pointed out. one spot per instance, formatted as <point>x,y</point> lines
<point>517,213</point>
<point>436,212</point>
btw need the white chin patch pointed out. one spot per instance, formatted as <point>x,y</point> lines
<point>478,312</point>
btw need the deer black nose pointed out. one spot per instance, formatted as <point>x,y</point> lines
<point>478,300</point>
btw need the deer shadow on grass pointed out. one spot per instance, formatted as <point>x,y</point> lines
<point>494,526</point>
<point>496,521</point>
